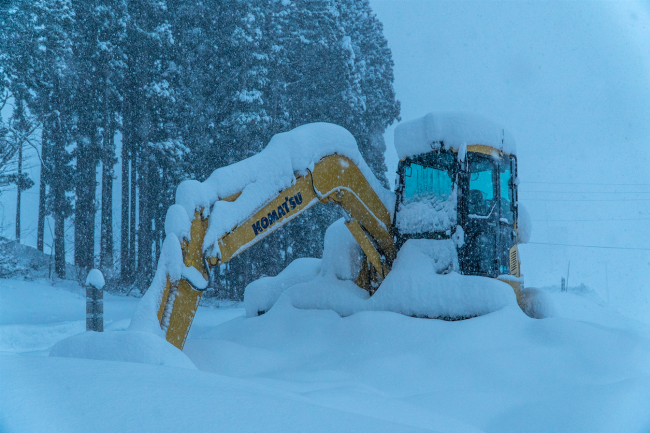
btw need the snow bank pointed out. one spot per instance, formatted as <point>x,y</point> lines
<point>578,303</point>
<point>170,263</point>
<point>342,255</point>
<point>536,303</point>
<point>295,370</point>
<point>260,295</point>
<point>125,346</point>
<point>341,261</point>
<point>22,261</point>
<point>423,282</point>
<point>453,130</point>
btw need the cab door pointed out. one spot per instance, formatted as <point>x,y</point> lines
<point>480,216</point>
<point>507,212</point>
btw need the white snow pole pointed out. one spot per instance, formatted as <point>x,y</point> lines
<point>95,301</point>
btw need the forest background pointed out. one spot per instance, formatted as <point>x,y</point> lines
<point>168,90</point>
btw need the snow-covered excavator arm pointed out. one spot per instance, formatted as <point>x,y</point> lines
<point>334,178</point>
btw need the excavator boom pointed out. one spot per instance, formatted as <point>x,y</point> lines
<point>334,178</point>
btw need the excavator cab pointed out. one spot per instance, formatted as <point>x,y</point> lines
<point>469,193</point>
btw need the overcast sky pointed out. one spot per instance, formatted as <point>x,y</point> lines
<point>571,80</point>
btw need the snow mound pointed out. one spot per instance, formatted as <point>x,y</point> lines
<point>95,278</point>
<point>342,255</point>
<point>124,346</point>
<point>536,303</point>
<point>260,295</point>
<point>453,131</point>
<point>18,261</point>
<point>579,303</point>
<point>422,283</point>
<point>341,262</point>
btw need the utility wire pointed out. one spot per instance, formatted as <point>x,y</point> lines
<point>587,192</point>
<point>592,246</point>
<point>552,199</point>
<point>586,183</point>
<point>614,219</point>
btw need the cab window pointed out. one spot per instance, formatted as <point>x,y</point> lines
<point>430,182</point>
<point>505,200</point>
<point>426,183</point>
<point>481,188</point>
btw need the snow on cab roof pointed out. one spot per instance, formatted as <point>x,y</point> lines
<point>424,134</point>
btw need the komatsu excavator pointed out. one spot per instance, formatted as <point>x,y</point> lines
<point>473,182</point>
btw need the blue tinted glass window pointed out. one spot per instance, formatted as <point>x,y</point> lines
<point>481,188</point>
<point>505,201</point>
<point>426,182</point>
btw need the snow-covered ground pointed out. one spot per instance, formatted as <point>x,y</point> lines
<point>585,369</point>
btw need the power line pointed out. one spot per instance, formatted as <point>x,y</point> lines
<point>586,183</point>
<point>614,219</point>
<point>552,199</point>
<point>587,192</point>
<point>592,246</point>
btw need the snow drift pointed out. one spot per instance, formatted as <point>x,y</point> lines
<point>125,346</point>
<point>423,283</point>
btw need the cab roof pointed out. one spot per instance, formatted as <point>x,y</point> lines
<point>452,131</point>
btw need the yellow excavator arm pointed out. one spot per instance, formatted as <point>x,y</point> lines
<point>334,178</point>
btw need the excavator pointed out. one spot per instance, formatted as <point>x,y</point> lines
<point>443,188</point>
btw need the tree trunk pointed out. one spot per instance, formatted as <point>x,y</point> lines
<point>86,185</point>
<point>159,218</point>
<point>40,229</point>
<point>125,258</point>
<point>108,151</point>
<point>58,187</point>
<point>18,189</point>
<point>145,238</point>
<point>132,226</point>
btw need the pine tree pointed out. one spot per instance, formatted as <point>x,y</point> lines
<point>371,93</point>
<point>21,126</point>
<point>7,149</point>
<point>152,142</point>
<point>44,31</point>
<point>86,105</point>
<point>15,77</point>
<point>99,32</point>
